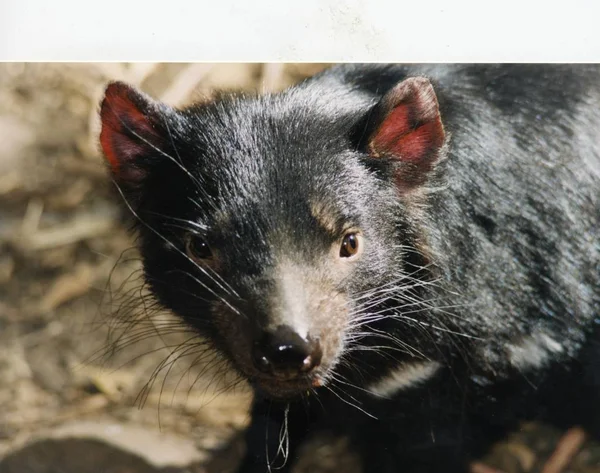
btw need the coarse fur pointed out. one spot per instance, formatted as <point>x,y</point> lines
<point>474,300</point>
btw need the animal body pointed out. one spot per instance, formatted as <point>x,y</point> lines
<point>405,255</point>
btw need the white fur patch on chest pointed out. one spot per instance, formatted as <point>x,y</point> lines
<point>404,376</point>
<point>533,351</point>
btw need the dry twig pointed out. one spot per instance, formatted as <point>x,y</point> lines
<point>478,467</point>
<point>79,228</point>
<point>185,83</point>
<point>566,450</point>
<point>272,74</point>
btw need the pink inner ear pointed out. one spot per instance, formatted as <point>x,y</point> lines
<point>126,131</point>
<point>417,144</point>
<point>412,130</point>
<point>394,126</point>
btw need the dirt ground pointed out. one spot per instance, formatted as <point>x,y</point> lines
<point>82,390</point>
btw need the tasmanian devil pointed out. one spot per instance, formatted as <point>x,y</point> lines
<point>406,256</point>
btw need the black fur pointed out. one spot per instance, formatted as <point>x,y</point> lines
<point>502,245</point>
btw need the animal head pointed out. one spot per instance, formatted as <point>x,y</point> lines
<point>281,227</point>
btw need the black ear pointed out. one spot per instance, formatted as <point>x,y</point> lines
<point>132,132</point>
<point>406,127</point>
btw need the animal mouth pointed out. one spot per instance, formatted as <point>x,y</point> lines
<point>279,388</point>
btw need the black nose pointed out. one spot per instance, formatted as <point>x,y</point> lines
<point>285,354</point>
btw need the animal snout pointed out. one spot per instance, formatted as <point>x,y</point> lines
<point>284,354</point>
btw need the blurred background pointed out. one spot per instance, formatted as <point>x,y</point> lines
<point>82,388</point>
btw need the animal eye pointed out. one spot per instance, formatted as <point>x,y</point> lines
<point>197,248</point>
<point>350,245</point>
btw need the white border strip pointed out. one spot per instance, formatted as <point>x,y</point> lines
<point>307,30</point>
